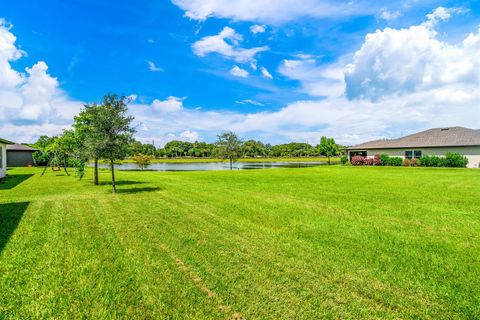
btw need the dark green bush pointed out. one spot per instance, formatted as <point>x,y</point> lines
<point>344,159</point>
<point>395,161</point>
<point>384,159</point>
<point>455,160</point>
<point>431,161</point>
<point>451,159</point>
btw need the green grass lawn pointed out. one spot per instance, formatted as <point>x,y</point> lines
<point>323,242</point>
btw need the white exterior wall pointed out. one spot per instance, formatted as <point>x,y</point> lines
<point>3,166</point>
<point>472,153</point>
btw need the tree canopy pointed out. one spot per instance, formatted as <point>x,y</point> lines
<point>229,146</point>
<point>328,148</point>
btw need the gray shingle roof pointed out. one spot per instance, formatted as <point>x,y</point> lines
<point>19,147</point>
<point>438,137</point>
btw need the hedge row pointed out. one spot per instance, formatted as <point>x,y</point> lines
<point>451,160</point>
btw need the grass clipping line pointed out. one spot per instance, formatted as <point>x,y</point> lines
<point>198,281</point>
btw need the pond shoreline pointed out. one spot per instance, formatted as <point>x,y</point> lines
<point>252,160</point>
<point>213,166</point>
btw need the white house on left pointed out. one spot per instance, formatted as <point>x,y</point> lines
<point>3,157</point>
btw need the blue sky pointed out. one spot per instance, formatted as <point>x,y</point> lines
<point>274,70</point>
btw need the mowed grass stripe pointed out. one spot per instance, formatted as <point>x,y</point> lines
<point>31,264</point>
<point>290,243</point>
<point>168,289</point>
<point>225,226</point>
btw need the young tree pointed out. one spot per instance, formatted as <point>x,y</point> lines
<point>85,124</point>
<point>328,148</point>
<point>229,146</point>
<point>71,146</point>
<point>113,130</point>
<point>142,160</point>
<point>43,155</point>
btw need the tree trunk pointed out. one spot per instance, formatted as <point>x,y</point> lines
<point>328,160</point>
<point>95,172</point>
<point>46,167</point>
<point>231,164</point>
<point>112,168</point>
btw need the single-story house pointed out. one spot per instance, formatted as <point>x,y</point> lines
<point>436,142</point>
<point>19,155</point>
<point>3,157</point>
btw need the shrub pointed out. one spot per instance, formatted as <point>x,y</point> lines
<point>358,161</point>
<point>451,159</point>
<point>395,161</point>
<point>425,161</point>
<point>431,161</point>
<point>376,160</point>
<point>410,162</point>
<point>455,160</point>
<point>369,162</point>
<point>384,159</point>
<point>344,159</point>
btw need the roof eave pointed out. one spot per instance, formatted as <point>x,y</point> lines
<point>6,141</point>
<point>405,147</point>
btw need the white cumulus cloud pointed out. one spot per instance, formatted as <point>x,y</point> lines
<point>257,28</point>
<point>172,104</point>
<point>402,61</point>
<point>31,99</point>
<point>239,72</point>
<point>227,44</point>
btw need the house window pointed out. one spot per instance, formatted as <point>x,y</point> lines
<point>411,154</point>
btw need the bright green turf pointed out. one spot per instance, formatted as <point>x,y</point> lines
<point>324,242</point>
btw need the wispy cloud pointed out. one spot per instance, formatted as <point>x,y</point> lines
<point>266,73</point>
<point>152,67</point>
<point>252,102</point>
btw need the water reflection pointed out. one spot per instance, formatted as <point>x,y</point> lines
<point>209,166</point>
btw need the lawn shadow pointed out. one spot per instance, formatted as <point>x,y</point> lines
<point>139,190</point>
<point>10,216</point>
<point>11,181</point>
<point>120,183</point>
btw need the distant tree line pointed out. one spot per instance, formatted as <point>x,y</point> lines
<point>185,149</point>
<point>249,149</point>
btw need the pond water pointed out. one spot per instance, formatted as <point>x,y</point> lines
<point>208,166</point>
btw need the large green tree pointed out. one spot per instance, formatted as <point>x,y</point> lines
<point>114,131</point>
<point>252,148</point>
<point>328,148</point>
<point>85,125</point>
<point>229,146</point>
